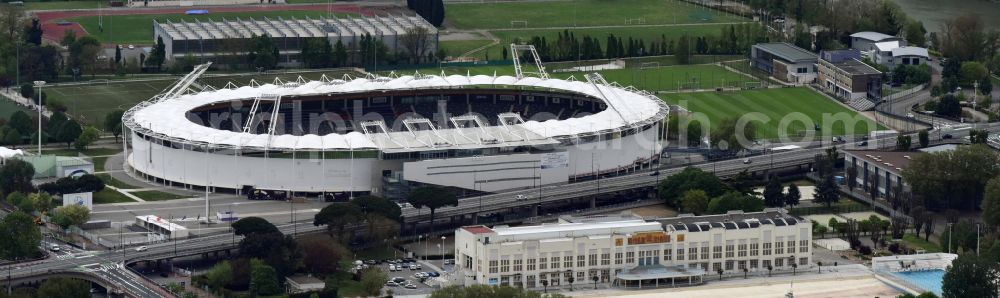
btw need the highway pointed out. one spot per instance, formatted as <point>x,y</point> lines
<point>503,202</point>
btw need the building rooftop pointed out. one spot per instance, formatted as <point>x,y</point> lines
<point>478,229</point>
<point>939,148</point>
<point>787,51</point>
<point>730,221</point>
<point>893,161</point>
<point>856,67</point>
<point>292,27</point>
<point>873,36</point>
<point>910,51</point>
<point>579,229</point>
<point>887,46</point>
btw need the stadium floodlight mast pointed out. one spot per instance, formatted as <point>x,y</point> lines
<point>39,84</point>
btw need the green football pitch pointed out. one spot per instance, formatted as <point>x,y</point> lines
<point>89,103</point>
<point>542,14</point>
<point>665,78</point>
<point>138,28</point>
<point>791,110</point>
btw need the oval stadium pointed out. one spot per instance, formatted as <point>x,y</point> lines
<point>384,135</point>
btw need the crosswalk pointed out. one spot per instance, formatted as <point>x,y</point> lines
<point>102,267</point>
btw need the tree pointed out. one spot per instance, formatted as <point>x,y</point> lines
<point>264,53</point>
<point>263,279</point>
<point>971,276</point>
<point>903,142</point>
<point>416,41</point>
<point>972,72</point>
<point>21,122</point>
<point>833,224</point>
<point>372,280</point>
<point>852,177</point>
<point>16,175</point>
<point>793,196</point>
<point>991,203</point>
<point>11,137</point>
<point>113,123</point>
<point>924,138</point>
<point>336,217</point>
<point>68,132</point>
<point>690,178</point>
<point>978,136</point>
<point>734,201</point>
<point>62,287</point>
<point>253,225</point>
<point>773,196</point>
<point>733,135</point>
<point>827,192</point>
<point>323,257</point>
<point>158,55</point>
<point>373,207</point>
<point>88,135</point>
<point>71,215</point>
<point>682,52</point>
<point>432,197</point>
<point>695,201</point>
<point>21,236</point>
<point>952,179</point>
<point>916,35</point>
<point>948,106</point>
<point>220,275</point>
<point>71,184</point>
<point>339,54</point>
<point>34,33</point>
<point>40,201</point>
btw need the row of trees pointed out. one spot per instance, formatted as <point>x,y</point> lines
<point>733,40</point>
<point>699,192</point>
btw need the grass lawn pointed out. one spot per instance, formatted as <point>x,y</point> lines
<point>99,163</point>
<point>87,152</point>
<point>580,13</point>
<point>790,112</point>
<point>917,242</point>
<point>108,196</point>
<point>8,107</point>
<point>455,48</point>
<point>666,78</point>
<point>89,103</point>
<point>108,180</point>
<point>138,28</point>
<point>154,195</point>
<point>648,34</point>
<point>62,5</point>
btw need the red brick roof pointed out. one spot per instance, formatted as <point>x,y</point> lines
<point>478,229</point>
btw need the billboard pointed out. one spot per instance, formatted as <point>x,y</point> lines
<point>555,160</point>
<point>85,199</point>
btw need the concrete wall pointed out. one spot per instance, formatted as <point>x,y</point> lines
<point>230,171</point>
<point>486,173</point>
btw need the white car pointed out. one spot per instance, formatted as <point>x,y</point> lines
<point>391,284</point>
<point>413,267</point>
<point>410,286</point>
<point>54,247</point>
<point>392,268</point>
<point>141,248</point>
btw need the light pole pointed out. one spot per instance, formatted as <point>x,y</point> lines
<point>951,234</point>
<point>39,84</point>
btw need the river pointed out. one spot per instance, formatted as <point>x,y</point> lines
<point>935,12</point>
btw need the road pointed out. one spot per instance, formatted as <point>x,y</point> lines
<point>108,265</point>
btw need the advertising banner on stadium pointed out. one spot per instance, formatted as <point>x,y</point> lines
<point>555,160</point>
<point>85,199</point>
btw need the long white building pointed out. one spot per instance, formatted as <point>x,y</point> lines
<point>631,252</point>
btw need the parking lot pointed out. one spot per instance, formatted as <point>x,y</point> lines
<point>409,276</point>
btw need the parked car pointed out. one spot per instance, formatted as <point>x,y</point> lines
<point>399,280</point>
<point>141,248</point>
<point>391,284</point>
<point>392,268</point>
<point>410,286</point>
<point>54,247</point>
<point>433,274</point>
<point>746,161</point>
<point>452,262</point>
<point>413,267</point>
<point>947,136</point>
<point>418,266</point>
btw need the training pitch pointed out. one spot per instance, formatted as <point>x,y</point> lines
<point>776,104</point>
<point>542,14</point>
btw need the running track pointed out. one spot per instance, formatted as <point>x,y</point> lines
<point>54,32</point>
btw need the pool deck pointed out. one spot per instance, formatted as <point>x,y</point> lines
<point>843,281</point>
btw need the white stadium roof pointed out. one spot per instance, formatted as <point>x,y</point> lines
<point>627,108</point>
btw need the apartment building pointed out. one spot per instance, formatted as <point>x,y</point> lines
<point>627,252</point>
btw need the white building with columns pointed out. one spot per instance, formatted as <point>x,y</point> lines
<point>632,252</point>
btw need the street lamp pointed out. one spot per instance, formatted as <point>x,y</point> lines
<point>39,84</point>
<point>441,246</point>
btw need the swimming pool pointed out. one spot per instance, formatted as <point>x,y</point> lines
<point>930,280</point>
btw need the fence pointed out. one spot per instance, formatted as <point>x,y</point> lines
<point>905,93</point>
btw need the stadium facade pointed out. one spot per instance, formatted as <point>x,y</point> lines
<point>380,135</point>
<point>220,38</point>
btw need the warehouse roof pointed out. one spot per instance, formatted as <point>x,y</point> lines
<point>300,28</point>
<point>872,36</point>
<point>787,51</point>
<point>855,67</point>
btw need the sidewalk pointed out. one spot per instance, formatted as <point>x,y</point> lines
<point>20,100</point>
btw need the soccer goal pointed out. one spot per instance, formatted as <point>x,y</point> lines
<point>648,65</point>
<point>519,24</point>
<point>635,21</point>
<point>690,84</point>
<point>753,85</point>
